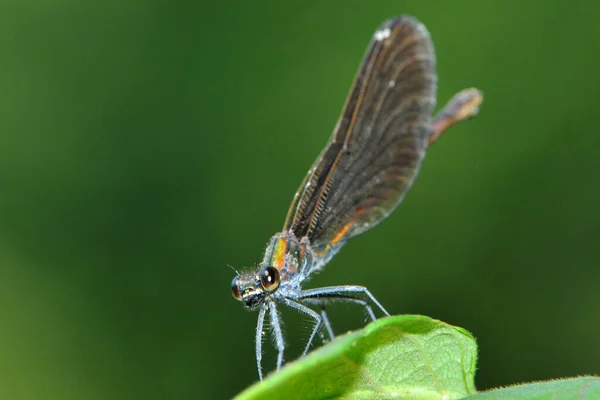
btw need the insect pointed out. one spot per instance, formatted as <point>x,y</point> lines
<point>363,173</point>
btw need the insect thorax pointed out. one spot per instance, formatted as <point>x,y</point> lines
<point>291,256</point>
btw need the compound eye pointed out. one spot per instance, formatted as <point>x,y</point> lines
<point>269,278</point>
<point>235,289</point>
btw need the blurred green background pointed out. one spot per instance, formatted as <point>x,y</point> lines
<point>146,144</point>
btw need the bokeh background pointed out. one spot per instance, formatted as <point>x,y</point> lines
<point>147,144</point>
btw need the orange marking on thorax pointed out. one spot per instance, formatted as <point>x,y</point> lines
<point>278,259</point>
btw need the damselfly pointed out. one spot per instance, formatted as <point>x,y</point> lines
<point>363,173</point>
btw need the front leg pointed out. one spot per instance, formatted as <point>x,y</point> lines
<point>277,332</point>
<point>259,336</point>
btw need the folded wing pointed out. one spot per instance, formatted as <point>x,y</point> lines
<point>378,144</point>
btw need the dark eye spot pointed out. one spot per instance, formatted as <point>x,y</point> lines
<point>269,278</point>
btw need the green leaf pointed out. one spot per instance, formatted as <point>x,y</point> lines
<point>398,357</point>
<point>564,389</point>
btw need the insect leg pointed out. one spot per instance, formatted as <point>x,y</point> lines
<point>303,309</point>
<point>345,292</point>
<point>326,322</point>
<point>277,332</point>
<point>259,336</point>
<point>342,298</point>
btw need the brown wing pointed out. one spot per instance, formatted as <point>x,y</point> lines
<point>378,144</point>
